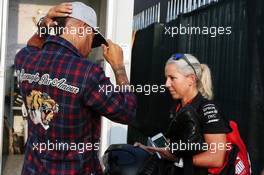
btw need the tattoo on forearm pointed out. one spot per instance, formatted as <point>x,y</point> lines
<point>121,76</point>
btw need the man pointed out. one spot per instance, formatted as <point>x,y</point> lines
<point>65,93</point>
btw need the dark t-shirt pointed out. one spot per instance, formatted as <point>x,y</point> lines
<point>211,120</point>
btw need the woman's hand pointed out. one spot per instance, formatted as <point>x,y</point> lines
<point>137,144</point>
<point>164,152</point>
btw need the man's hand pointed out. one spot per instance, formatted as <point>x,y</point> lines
<point>61,10</point>
<point>113,54</point>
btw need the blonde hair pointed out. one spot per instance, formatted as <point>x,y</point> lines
<point>202,72</point>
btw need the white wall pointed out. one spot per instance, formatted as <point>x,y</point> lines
<point>119,29</point>
<point>3,30</point>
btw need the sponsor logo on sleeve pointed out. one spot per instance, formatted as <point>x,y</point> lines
<point>210,112</point>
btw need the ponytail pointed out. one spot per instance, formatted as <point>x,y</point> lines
<point>205,86</point>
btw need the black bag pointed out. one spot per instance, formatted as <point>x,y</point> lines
<point>124,159</point>
<point>185,129</point>
<point>156,166</point>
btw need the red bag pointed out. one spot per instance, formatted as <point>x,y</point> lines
<point>237,161</point>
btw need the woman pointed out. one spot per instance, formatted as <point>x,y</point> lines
<point>189,83</point>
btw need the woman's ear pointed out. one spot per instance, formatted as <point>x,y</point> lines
<point>191,79</point>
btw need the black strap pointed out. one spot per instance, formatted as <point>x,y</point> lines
<point>188,166</point>
<point>230,166</point>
